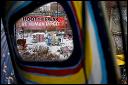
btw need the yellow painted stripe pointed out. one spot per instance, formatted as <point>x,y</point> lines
<point>120,59</point>
<point>77,78</point>
<point>88,51</point>
<point>78,9</point>
<point>88,56</point>
<point>121,56</point>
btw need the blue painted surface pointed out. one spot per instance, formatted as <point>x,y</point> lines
<point>5,59</point>
<point>100,50</point>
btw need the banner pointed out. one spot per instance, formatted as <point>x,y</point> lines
<point>42,22</point>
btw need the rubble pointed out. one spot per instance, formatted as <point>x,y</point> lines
<point>59,48</point>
